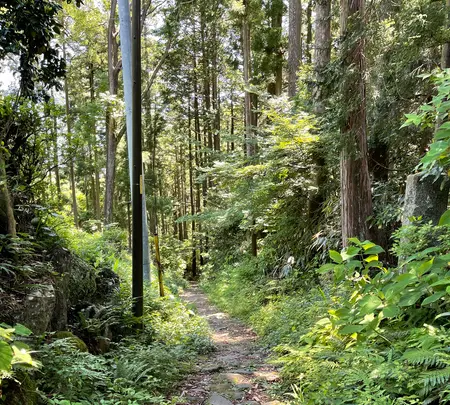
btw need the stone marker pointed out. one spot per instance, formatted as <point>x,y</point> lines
<point>424,197</point>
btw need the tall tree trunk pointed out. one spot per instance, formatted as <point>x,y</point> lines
<point>322,53</point>
<point>295,45</point>
<point>7,220</point>
<point>191,193</point>
<point>356,199</point>
<point>215,90</point>
<point>56,162</point>
<point>95,177</point>
<point>249,120</point>
<point>309,33</point>
<point>322,57</point>
<point>232,120</point>
<point>69,141</point>
<point>111,140</point>
<point>249,114</point>
<point>277,23</point>
<point>445,60</point>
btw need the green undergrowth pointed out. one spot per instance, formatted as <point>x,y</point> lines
<point>107,356</point>
<point>140,369</point>
<point>357,332</point>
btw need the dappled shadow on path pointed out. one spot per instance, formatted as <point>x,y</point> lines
<point>237,371</point>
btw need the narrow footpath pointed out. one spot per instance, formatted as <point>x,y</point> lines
<point>237,371</point>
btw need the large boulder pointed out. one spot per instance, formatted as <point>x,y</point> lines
<point>37,308</point>
<point>425,197</point>
<point>75,283</point>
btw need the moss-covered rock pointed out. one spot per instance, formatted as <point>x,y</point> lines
<point>21,390</point>
<point>75,283</point>
<point>75,340</point>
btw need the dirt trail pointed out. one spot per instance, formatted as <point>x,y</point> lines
<point>237,371</point>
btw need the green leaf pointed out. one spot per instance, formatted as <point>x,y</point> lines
<point>6,356</point>
<point>350,252</point>
<point>356,241</point>
<point>442,134</point>
<point>325,268</point>
<point>442,315</point>
<point>434,297</point>
<point>445,218</point>
<point>425,266</point>
<point>426,107</point>
<point>444,281</point>
<point>369,304</point>
<point>374,250</point>
<point>410,298</point>
<point>371,258</point>
<point>391,311</point>
<point>21,330</point>
<point>336,256</point>
<point>350,329</point>
<point>21,356</point>
<point>6,334</point>
<point>414,119</point>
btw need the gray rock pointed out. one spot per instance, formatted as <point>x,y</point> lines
<point>211,368</point>
<point>244,386</point>
<point>424,197</point>
<point>37,309</point>
<point>242,371</point>
<point>216,399</point>
<point>76,283</point>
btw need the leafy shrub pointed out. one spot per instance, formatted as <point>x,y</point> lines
<point>14,353</point>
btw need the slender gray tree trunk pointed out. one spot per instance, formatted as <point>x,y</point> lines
<point>69,140</point>
<point>111,140</point>
<point>295,45</point>
<point>322,51</point>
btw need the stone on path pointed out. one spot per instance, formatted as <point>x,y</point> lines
<point>216,399</point>
<point>212,368</point>
<point>269,376</point>
<point>238,380</point>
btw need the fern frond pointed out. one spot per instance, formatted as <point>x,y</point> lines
<point>422,357</point>
<point>434,378</point>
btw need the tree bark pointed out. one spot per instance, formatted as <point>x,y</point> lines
<point>277,22</point>
<point>95,177</point>
<point>191,193</point>
<point>56,161</point>
<point>322,53</point>
<point>445,59</point>
<point>69,141</point>
<point>7,219</point>
<point>356,199</point>
<point>111,140</point>
<point>309,34</point>
<point>295,45</point>
<point>249,133</point>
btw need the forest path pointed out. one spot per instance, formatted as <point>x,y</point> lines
<point>237,371</point>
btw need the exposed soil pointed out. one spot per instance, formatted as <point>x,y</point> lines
<point>237,372</point>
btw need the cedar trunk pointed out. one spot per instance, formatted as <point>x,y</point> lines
<point>322,52</point>
<point>111,141</point>
<point>356,199</point>
<point>295,44</point>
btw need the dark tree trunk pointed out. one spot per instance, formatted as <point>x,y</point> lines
<point>356,198</point>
